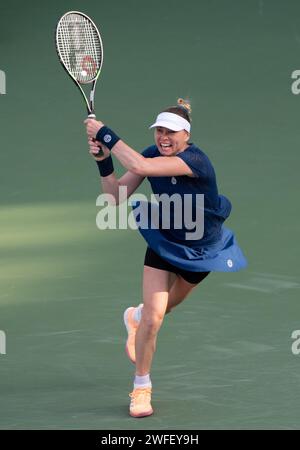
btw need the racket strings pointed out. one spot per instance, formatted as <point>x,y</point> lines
<point>80,47</point>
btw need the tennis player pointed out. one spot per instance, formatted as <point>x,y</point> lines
<point>175,262</point>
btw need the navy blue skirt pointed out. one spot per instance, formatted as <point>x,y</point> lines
<point>224,255</point>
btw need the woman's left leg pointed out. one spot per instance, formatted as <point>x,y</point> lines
<point>155,297</point>
<point>155,301</point>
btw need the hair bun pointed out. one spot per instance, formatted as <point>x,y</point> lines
<point>184,103</point>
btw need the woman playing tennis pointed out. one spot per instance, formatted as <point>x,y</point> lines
<point>176,260</point>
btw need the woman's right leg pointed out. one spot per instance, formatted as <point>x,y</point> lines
<point>179,289</point>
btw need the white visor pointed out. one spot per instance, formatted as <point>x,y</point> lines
<point>172,122</point>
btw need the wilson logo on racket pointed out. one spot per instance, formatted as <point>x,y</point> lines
<point>88,65</point>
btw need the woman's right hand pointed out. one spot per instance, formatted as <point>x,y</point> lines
<point>95,146</point>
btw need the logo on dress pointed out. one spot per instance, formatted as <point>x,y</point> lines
<point>107,138</point>
<point>173,180</point>
<point>229,262</point>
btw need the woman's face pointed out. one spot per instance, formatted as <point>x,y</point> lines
<point>170,142</point>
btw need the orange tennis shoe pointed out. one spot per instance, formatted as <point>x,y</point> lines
<point>140,405</point>
<point>131,327</point>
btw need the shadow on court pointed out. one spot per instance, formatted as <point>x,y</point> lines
<point>223,359</point>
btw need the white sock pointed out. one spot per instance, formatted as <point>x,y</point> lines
<point>138,313</point>
<point>142,381</point>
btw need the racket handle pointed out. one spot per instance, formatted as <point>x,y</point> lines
<point>100,153</point>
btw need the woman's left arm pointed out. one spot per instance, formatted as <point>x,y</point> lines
<point>161,166</point>
<point>137,163</point>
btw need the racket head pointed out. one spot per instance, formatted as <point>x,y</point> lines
<point>79,47</point>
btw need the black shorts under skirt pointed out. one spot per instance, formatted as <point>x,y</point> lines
<point>152,259</point>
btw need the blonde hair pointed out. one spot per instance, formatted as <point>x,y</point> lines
<point>183,109</point>
<point>185,103</point>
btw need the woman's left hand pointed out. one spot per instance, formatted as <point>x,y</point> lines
<point>92,127</point>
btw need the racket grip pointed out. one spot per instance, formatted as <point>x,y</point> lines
<point>100,153</point>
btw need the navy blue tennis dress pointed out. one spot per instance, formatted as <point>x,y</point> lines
<point>217,249</point>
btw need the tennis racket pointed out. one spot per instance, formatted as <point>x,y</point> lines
<point>80,51</point>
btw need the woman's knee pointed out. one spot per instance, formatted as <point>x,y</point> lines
<point>152,320</point>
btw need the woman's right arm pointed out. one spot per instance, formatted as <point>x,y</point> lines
<point>110,184</point>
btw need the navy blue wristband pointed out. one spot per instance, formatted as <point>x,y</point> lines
<point>107,137</point>
<point>105,166</point>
